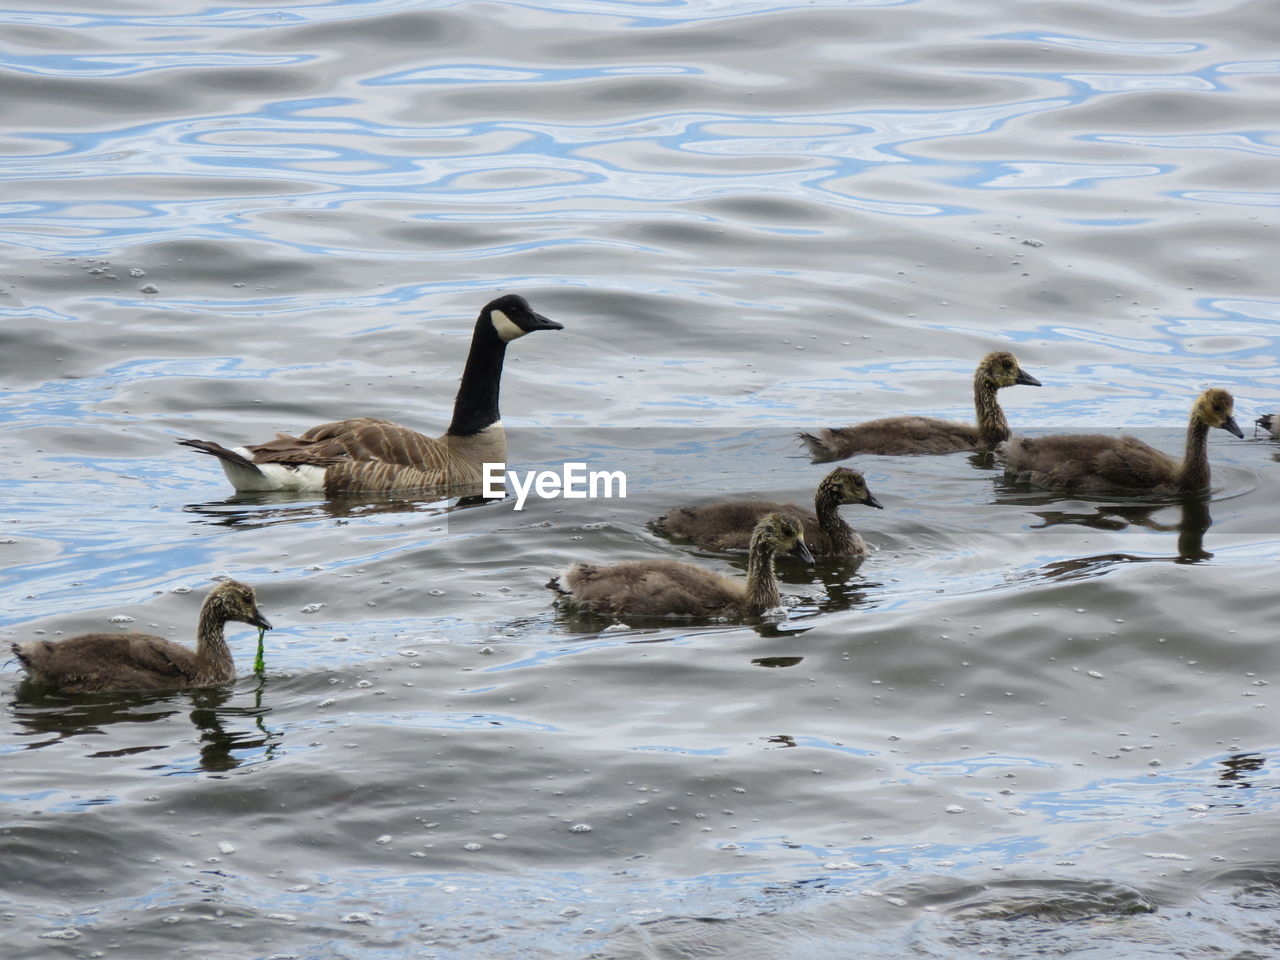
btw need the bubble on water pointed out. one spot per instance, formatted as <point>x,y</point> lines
<point>1096,675</point>
<point>226,846</point>
<point>121,618</point>
<point>357,918</point>
<point>1166,856</point>
<point>616,628</point>
<point>311,608</point>
<point>384,839</point>
<point>1029,242</point>
<point>148,288</point>
<point>954,808</point>
<point>137,272</point>
<point>472,847</point>
<point>65,934</point>
<point>580,828</point>
<point>282,917</point>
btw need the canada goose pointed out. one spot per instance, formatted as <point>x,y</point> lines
<point>728,526</point>
<point>672,588</point>
<point>907,435</point>
<point>1089,461</point>
<point>1270,422</point>
<point>370,455</point>
<point>138,661</point>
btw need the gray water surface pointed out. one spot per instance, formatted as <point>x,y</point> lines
<point>1028,725</point>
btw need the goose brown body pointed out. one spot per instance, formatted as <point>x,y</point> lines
<point>928,435</point>
<point>370,455</point>
<point>96,662</point>
<point>728,525</point>
<point>672,588</point>
<point>1098,462</point>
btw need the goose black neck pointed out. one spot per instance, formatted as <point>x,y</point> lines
<point>993,428</point>
<point>1195,461</point>
<point>476,405</point>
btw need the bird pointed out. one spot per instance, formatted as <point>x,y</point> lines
<point>1270,422</point>
<point>913,435</point>
<point>102,662</point>
<point>368,455</point>
<point>728,525</point>
<point>674,588</point>
<point>1089,462</point>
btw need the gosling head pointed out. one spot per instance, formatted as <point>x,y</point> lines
<point>512,317</point>
<point>783,534</point>
<point>233,600</point>
<point>1215,407</point>
<point>1001,369</point>
<point>849,486</point>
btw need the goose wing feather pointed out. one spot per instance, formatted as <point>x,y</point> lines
<point>651,588</point>
<point>122,661</point>
<point>1088,462</point>
<point>892,436</point>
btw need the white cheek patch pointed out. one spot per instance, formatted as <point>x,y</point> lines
<point>507,328</point>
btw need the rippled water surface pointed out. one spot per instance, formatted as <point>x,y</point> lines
<point>1028,725</point>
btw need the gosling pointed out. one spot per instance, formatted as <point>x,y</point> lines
<point>1089,462</point>
<point>101,662</point>
<point>914,435</point>
<point>728,525</point>
<point>672,588</point>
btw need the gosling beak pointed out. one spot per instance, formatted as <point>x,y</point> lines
<point>543,323</point>
<point>1027,379</point>
<point>258,620</point>
<point>1231,425</point>
<point>871,501</point>
<point>800,551</point>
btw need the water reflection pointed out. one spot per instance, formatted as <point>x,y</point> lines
<point>1237,769</point>
<point>1193,521</point>
<point>50,718</point>
<point>254,510</point>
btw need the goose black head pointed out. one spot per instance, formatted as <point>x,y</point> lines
<point>1215,407</point>
<point>512,317</point>
<point>849,486</point>
<point>233,600</point>
<point>1002,369</point>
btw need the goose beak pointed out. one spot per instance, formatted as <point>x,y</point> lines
<point>1231,425</point>
<point>801,552</point>
<point>258,620</point>
<point>539,322</point>
<point>1027,379</point>
<point>871,501</point>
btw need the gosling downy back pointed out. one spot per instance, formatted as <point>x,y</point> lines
<point>1096,462</point>
<point>138,661</point>
<point>368,455</point>
<point>928,435</point>
<point>729,525</point>
<point>673,588</point>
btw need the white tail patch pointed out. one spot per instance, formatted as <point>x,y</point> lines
<point>507,328</point>
<point>301,478</point>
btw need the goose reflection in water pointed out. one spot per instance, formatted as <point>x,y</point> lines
<point>50,718</point>
<point>254,510</point>
<point>1193,521</point>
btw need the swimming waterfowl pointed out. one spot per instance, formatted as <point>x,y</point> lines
<point>673,588</point>
<point>1270,422</point>
<point>367,455</point>
<point>1087,461</point>
<point>729,525</point>
<point>913,435</point>
<point>138,661</point>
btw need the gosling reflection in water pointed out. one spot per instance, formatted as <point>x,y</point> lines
<point>1192,523</point>
<point>50,718</point>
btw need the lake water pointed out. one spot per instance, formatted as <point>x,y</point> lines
<point>1029,725</point>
